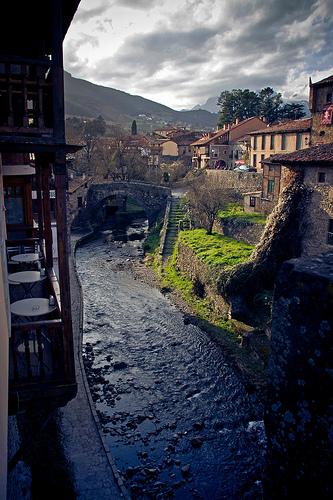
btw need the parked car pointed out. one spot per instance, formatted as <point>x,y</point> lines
<point>245,168</point>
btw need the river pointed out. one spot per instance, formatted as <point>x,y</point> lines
<point>177,420</point>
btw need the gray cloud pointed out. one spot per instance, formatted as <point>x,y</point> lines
<point>137,4</point>
<point>84,15</point>
<point>207,46</point>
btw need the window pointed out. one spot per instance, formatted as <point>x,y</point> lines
<point>263,142</point>
<point>255,142</point>
<point>283,141</point>
<point>329,97</point>
<point>321,177</point>
<point>254,160</point>
<point>272,141</point>
<point>16,69</point>
<point>252,201</point>
<point>330,232</point>
<point>271,186</point>
<point>79,202</point>
<point>299,141</point>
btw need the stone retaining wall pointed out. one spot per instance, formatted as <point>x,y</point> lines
<point>242,181</point>
<point>299,419</point>
<point>194,269</point>
<point>240,230</point>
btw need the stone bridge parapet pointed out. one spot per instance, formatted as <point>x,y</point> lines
<point>151,198</point>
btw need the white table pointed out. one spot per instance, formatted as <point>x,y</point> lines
<point>24,258</point>
<point>31,307</point>
<point>27,279</point>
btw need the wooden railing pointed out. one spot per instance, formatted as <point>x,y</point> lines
<point>36,353</point>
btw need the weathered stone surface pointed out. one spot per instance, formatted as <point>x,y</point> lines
<point>240,230</point>
<point>299,416</point>
<point>152,198</point>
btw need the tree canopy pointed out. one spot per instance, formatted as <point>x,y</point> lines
<point>244,103</point>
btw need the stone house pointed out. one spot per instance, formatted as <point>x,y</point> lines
<point>179,146</point>
<point>225,147</point>
<point>281,138</point>
<point>321,107</point>
<point>314,168</point>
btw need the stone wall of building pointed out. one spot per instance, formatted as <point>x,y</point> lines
<point>243,181</point>
<point>299,417</point>
<point>240,230</point>
<point>198,272</point>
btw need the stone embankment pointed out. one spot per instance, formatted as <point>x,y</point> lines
<point>240,230</point>
<point>203,276</point>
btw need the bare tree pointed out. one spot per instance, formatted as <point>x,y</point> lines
<point>206,197</point>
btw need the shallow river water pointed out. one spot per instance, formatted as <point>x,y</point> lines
<point>178,422</point>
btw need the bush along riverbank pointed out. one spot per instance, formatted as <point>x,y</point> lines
<point>190,276</point>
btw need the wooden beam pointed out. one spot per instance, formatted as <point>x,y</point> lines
<point>44,164</point>
<point>58,72</point>
<point>63,257</point>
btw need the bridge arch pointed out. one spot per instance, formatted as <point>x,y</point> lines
<point>151,198</point>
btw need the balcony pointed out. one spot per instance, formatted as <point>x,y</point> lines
<point>26,106</point>
<point>39,363</point>
<point>41,344</point>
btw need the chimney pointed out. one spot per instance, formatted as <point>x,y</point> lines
<point>237,121</point>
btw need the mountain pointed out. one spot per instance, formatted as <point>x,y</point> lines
<point>210,105</point>
<point>83,98</point>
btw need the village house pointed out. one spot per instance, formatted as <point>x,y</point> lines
<point>314,168</point>
<point>321,107</point>
<point>293,136</point>
<point>280,138</point>
<point>223,149</point>
<point>36,340</point>
<point>178,147</point>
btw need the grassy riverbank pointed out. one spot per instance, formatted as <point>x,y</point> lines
<point>201,311</point>
<point>236,212</point>
<point>216,249</point>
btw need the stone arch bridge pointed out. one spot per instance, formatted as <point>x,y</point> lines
<point>150,197</point>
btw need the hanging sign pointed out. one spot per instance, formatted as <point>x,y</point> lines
<point>327,114</point>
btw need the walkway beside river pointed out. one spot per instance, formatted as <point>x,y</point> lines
<point>89,461</point>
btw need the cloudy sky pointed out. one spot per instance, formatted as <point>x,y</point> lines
<point>181,52</point>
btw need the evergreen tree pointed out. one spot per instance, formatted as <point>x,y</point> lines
<point>292,111</point>
<point>134,128</point>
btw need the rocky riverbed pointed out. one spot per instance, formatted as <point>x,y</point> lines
<point>178,421</point>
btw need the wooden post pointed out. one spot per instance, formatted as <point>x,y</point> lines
<point>63,256</point>
<point>58,73</point>
<point>45,171</point>
<point>39,201</point>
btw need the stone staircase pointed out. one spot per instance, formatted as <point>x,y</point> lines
<point>176,215</point>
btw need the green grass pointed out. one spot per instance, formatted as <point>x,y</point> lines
<point>203,308</point>
<point>152,241</point>
<point>236,211</point>
<point>216,249</point>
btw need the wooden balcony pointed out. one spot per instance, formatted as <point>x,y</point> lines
<point>26,100</point>
<point>40,368</point>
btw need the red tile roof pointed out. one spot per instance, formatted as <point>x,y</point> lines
<point>321,154</point>
<point>220,133</point>
<point>303,124</point>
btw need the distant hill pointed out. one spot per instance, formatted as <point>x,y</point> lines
<point>88,100</point>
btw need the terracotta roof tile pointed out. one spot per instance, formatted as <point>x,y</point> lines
<point>322,153</point>
<point>288,126</point>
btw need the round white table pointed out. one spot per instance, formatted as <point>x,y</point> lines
<point>26,257</point>
<point>32,307</point>
<point>27,279</point>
